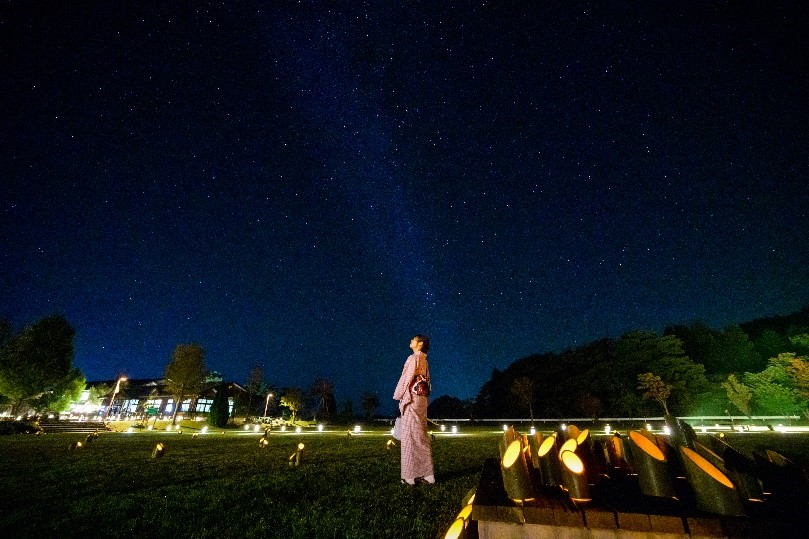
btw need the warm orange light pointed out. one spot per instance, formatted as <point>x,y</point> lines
<point>707,467</point>
<point>456,530</point>
<point>647,445</point>
<point>572,462</point>
<point>546,445</point>
<point>465,512</point>
<point>512,453</point>
<point>582,436</point>
<point>569,445</point>
<point>300,447</point>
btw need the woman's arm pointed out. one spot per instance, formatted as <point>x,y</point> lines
<point>402,392</point>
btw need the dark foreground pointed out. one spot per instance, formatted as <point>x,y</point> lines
<point>227,486</point>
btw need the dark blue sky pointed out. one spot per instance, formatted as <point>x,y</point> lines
<point>304,186</point>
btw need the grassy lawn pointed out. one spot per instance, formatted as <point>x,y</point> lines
<point>219,485</point>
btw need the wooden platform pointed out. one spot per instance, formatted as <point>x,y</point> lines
<point>619,511</point>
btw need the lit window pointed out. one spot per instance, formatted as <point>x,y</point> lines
<point>204,405</point>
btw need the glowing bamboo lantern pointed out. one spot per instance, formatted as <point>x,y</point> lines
<point>158,451</point>
<point>516,479</point>
<point>295,458</point>
<point>574,479</point>
<point>748,486</point>
<point>714,492</point>
<point>651,465</point>
<point>534,442</point>
<point>549,468</point>
<point>457,530</point>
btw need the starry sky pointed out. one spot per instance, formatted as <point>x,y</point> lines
<point>305,185</point>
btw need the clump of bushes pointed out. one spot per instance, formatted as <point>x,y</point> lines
<point>12,426</point>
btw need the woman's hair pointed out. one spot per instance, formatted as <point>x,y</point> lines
<point>425,342</point>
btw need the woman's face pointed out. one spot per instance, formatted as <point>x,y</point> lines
<point>415,344</point>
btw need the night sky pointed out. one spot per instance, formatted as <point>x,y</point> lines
<point>305,185</point>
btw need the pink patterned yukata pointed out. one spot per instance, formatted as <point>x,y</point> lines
<point>417,457</point>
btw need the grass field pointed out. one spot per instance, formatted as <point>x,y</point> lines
<point>227,486</point>
<point>219,485</point>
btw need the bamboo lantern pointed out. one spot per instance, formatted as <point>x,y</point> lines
<point>748,486</point>
<point>584,450</point>
<point>509,435</point>
<point>681,432</point>
<point>469,498</point>
<point>614,447</point>
<point>516,479</point>
<point>549,467</point>
<point>654,472</point>
<point>574,479</point>
<point>713,490</point>
<point>158,451</point>
<point>534,442</point>
<point>572,432</point>
<point>457,530</point>
<point>295,458</point>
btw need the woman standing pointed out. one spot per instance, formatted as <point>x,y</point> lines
<point>417,458</point>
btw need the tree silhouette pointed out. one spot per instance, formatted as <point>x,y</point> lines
<point>370,403</point>
<point>185,374</point>
<point>323,391</point>
<point>523,390</point>
<point>739,394</point>
<point>36,364</point>
<point>654,388</point>
<point>293,399</point>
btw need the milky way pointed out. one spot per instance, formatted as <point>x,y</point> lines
<point>303,186</point>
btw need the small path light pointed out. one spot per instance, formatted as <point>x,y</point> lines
<point>390,445</point>
<point>75,445</point>
<point>158,451</point>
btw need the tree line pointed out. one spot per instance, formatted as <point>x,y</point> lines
<point>37,375</point>
<point>756,368</point>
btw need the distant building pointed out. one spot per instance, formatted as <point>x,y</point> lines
<point>148,397</point>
